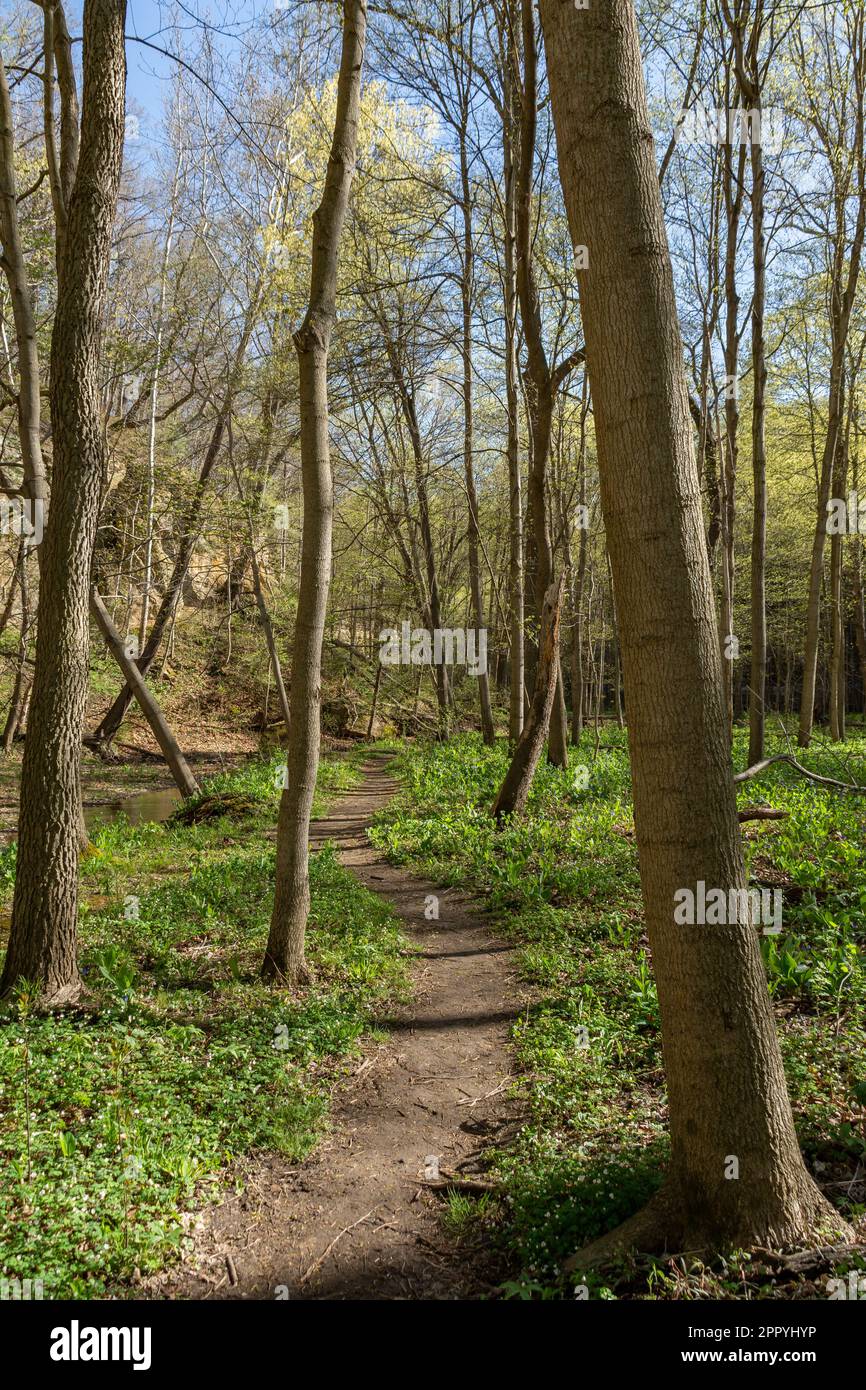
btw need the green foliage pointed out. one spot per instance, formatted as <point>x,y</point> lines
<point>181,1060</point>
<point>564,884</point>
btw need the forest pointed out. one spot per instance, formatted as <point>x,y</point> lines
<point>433,658</point>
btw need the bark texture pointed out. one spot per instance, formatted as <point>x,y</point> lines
<point>726,1086</point>
<point>42,942</point>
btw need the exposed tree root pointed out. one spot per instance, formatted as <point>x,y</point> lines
<point>662,1227</point>
<point>294,976</point>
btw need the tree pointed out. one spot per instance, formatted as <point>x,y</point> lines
<point>43,936</point>
<point>543,381</point>
<point>189,529</point>
<point>284,954</point>
<point>839,122</point>
<point>726,1085</point>
<point>511,797</point>
<point>165,738</point>
<point>441,69</point>
<point>512,383</point>
<point>746,32</point>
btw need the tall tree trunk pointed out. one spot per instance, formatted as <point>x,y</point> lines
<point>434,603</point>
<point>746,33</point>
<point>541,382</point>
<point>62,171</point>
<point>147,578</point>
<point>726,1085</point>
<point>284,954</point>
<point>849,182</point>
<point>759,461</point>
<point>837,604</point>
<point>599,688</point>
<point>517,675</point>
<point>859,603</point>
<point>733,188</point>
<point>837,633</point>
<point>15,268</point>
<point>43,937</point>
<point>466,290</point>
<point>816,566</point>
<point>578,698</point>
<point>617,659</point>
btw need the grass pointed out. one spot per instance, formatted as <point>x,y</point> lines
<point>119,1116</point>
<point>563,884</point>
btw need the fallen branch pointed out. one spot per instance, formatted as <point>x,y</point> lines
<point>761,813</point>
<point>758,768</point>
<point>328,1248</point>
<point>805,1261</point>
<point>495,1092</point>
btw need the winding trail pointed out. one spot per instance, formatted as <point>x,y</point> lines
<point>354,1221</point>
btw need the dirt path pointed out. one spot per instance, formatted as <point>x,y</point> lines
<point>354,1221</point>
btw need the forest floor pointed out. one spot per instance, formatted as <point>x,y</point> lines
<point>563,883</point>
<point>121,1116</point>
<point>358,1219</point>
<point>188,1131</point>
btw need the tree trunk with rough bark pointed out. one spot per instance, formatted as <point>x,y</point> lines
<point>541,382</point>
<point>746,28</point>
<point>759,459</point>
<point>837,610</point>
<point>474,534</point>
<point>858,601</point>
<point>733,191</point>
<point>43,936</point>
<point>729,1107</point>
<point>847,250</point>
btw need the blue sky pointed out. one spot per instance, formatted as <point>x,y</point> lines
<point>149,73</point>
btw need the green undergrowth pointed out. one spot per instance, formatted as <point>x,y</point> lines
<point>180,1060</point>
<point>562,881</point>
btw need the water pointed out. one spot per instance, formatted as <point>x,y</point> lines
<point>146,806</point>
